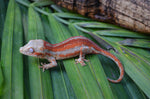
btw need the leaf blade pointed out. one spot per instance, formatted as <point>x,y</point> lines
<point>17,59</point>
<point>6,50</point>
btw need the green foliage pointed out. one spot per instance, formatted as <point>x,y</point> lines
<point>6,50</point>
<point>1,80</point>
<point>21,78</point>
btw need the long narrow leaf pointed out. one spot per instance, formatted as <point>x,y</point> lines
<point>120,33</point>
<point>17,59</point>
<point>25,65</point>
<point>136,43</point>
<point>1,80</point>
<point>43,3</point>
<point>97,25</point>
<point>140,52</point>
<point>71,16</point>
<point>6,51</point>
<point>133,89</point>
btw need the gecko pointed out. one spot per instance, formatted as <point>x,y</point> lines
<point>71,47</point>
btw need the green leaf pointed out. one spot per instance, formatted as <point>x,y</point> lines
<point>133,89</point>
<point>17,59</point>
<point>42,3</point>
<point>143,43</point>
<point>70,16</point>
<point>57,8</point>
<point>6,50</point>
<point>120,33</point>
<point>97,25</point>
<point>140,51</point>
<point>1,80</point>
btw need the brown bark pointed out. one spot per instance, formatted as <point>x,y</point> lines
<point>131,14</point>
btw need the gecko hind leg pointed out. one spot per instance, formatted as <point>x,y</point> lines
<point>81,58</point>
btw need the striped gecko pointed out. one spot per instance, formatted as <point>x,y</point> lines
<point>74,46</point>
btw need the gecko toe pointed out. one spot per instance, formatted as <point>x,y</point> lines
<point>43,67</point>
<point>42,63</point>
<point>40,66</point>
<point>86,60</point>
<point>81,61</point>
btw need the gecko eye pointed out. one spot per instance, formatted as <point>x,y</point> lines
<point>31,50</point>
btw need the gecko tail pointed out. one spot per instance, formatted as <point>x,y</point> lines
<point>117,61</point>
<point>120,66</point>
<point>116,81</point>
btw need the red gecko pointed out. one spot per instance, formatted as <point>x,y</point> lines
<point>74,46</point>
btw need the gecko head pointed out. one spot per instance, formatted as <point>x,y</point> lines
<point>33,48</point>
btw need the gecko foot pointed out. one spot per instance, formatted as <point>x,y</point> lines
<point>47,66</point>
<point>81,61</point>
<point>43,63</point>
<point>44,67</point>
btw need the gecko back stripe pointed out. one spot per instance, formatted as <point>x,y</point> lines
<point>69,43</point>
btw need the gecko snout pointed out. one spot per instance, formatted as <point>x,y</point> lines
<point>21,49</point>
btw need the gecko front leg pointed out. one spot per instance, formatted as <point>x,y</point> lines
<point>52,64</point>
